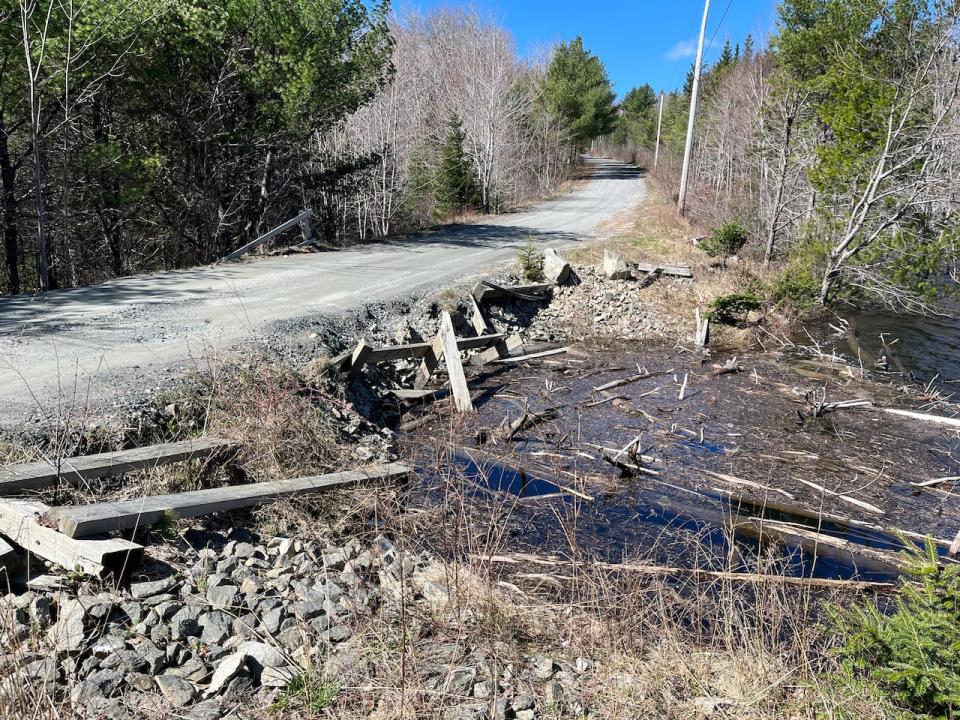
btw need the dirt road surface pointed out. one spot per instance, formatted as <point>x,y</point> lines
<point>77,348</point>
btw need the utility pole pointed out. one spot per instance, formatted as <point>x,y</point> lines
<point>656,150</point>
<point>694,92</point>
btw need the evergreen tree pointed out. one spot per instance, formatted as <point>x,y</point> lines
<point>455,185</point>
<point>577,90</point>
<point>726,56</point>
<point>636,122</point>
<point>748,47</point>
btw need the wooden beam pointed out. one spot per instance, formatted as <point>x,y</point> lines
<point>419,350</point>
<point>924,417</point>
<point>303,217</point>
<point>31,476</point>
<point>532,356</point>
<point>502,349</point>
<point>84,520</point>
<point>9,561</point>
<point>477,318</point>
<point>682,271</point>
<point>20,522</point>
<point>487,291</point>
<point>429,364</point>
<point>451,357</point>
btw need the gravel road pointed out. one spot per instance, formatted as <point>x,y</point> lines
<point>88,346</point>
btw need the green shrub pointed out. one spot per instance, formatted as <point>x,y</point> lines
<point>726,240</point>
<point>531,263</point>
<point>913,652</point>
<point>730,308</point>
<point>796,288</point>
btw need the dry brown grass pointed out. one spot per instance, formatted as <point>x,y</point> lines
<point>656,234</point>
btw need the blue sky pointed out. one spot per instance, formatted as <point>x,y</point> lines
<point>639,41</point>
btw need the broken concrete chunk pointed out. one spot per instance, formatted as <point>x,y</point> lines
<point>556,269</point>
<point>614,266</point>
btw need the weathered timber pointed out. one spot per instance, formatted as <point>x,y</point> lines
<point>702,336</point>
<point>429,363</point>
<point>360,355</point>
<point>681,271</point>
<point>20,522</point>
<point>936,481</point>
<point>451,358</point>
<point>502,348</point>
<point>405,394</point>
<point>487,291</point>
<point>84,520</point>
<point>532,356</point>
<point>477,318</point>
<point>733,480</point>
<point>303,220</point>
<point>955,546</point>
<point>415,351</point>
<point>936,419</point>
<point>31,476</point>
<point>9,561</point>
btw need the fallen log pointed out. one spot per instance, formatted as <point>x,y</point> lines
<point>414,351</point>
<point>550,561</point>
<point>31,476</point>
<point>20,521</point>
<point>528,419</point>
<point>85,520</point>
<point>733,480</point>
<point>844,498</point>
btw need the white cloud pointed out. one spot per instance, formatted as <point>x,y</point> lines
<point>683,49</point>
<point>688,49</point>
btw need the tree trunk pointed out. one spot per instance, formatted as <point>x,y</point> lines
<point>11,243</point>
<point>781,182</point>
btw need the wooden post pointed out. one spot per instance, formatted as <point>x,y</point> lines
<point>656,150</point>
<point>451,356</point>
<point>305,228</point>
<point>688,148</point>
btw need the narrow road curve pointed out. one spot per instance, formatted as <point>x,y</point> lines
<point>71,348</point>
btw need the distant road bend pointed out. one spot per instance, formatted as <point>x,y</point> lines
<point>83,344</point>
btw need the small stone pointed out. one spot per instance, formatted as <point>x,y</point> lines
<point>277,677</point>
<point>460,680</point>
<point>244,550</point>
<point>541,667</point>
<point>66,634</point>
<point>228,669</point>
<point>523,701</point>
<point>482,690</point>
<point>176,690</point>
<point>141,590</point>
<point>223,597</point>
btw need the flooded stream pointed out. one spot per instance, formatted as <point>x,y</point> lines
<point>723,485</point>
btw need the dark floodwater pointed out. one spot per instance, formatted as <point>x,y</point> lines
<point>926,349</point>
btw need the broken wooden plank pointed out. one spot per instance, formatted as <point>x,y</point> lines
<point>477,318</point>
<point>84,520</point>
<point>486,291</point>
<point>451,358</point>
<point>429,363</point>
<point>682,271</point>
<point>31,476</point>
<point>20,522</point>
<point>413,351</point>
<point>405,394</point>
<point>936,419</point>
<point>532,356</point>
<point>360,355</point>
<point>502,348</point>
<point>9,561</point>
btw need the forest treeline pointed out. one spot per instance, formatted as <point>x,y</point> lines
<point>834,151</point>
<point>140,135</point>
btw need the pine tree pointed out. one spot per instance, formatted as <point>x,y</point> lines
<point>577,90</point>
<point>748,47</point>
<point>726,56</point>
<point>455,185</point>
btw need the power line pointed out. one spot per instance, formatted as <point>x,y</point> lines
<point>722,18</point>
